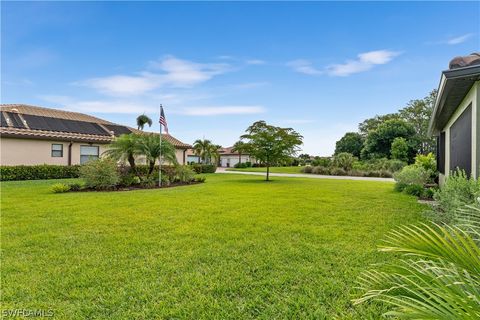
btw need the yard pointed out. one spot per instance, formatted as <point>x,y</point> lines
<point>235,247</point>
<point>272,169</point>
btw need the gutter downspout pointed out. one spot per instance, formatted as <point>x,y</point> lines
<point>184,153</point>
<point>70,153</point>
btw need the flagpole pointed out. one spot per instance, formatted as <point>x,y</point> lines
<point>160,158</point>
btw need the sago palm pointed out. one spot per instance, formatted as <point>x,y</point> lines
<point>438,276</point>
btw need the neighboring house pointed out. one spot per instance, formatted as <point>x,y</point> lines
<point>229,158</point>
<point>33,135</point>
<point>456,117</point>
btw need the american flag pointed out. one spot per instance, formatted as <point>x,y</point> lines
<point>163,120</point>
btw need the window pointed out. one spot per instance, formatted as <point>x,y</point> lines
<point>88,153</point>
<point>57,150</point>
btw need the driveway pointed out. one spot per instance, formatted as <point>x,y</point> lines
<point>301,175</point>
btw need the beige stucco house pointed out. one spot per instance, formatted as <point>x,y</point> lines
<point>456,117</point>
<point>228,157</point>
<point>32,135</point>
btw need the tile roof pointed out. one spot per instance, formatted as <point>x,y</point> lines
<point>15,125</point>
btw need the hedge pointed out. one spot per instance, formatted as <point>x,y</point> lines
<point>204,168</point>
<point>38,172</point>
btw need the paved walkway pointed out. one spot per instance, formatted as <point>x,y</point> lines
<point>302,175</point>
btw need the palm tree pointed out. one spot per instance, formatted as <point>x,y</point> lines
<point>239,147</point>
<point>142,120</point>
<point>202,148</point>
<point>124,147</point>
<point>439,274</point>
<point>149,146</point>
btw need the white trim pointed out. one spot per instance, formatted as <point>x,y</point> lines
<point>470,98</point>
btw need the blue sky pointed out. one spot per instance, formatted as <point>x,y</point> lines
<point>319,67</point>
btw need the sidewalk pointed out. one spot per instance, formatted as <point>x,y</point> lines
<point>301,175</point>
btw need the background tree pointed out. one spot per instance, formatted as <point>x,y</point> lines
<point>241,148</point>
<point>124,148</point>
<point>372,124</point>
<point>270,144</point>
<point>344,160</point>
<point>142,120</point>
<point>206,150</point>
<point>418,113</point>
<point>379,141</point>
<point>351,142</point>
<point>399,149</point>
<point>149,146</point>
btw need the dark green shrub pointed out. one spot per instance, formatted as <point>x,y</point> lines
<point>129,179</point>
<point>322,161</point>
<point>38,172</point>
<point>428,193</point>
<point>100,174</point>
<point>150,181</point>
<point>414,190</point>
<point>204,168</point>
<point>60,188</point>
<point>76,186</point>
<point>240,165</point>
<point>248,164</point>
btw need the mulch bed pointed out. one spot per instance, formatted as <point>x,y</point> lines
<point>132,188</point>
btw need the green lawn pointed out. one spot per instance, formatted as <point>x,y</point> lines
<point>272,169</point>
<point>235,247</point>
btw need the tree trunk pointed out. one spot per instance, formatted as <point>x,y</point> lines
<point>239,157</point>
<point>152,166</point>
<point>131,161</point>
<point>268,172</point>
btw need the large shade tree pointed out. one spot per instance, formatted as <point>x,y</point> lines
<point>351,142</point>
<point>270,144</point>
<point>379,142</point>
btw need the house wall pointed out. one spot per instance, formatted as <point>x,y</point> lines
<point>232,160</point>
<point>15,151</point>
<point>473,98</point>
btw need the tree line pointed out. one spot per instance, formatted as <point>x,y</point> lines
<point>401,135</point>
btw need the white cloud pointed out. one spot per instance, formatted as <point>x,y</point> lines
<point>304,66</point>
<point>166,72</point>
<point>222,110</point>
<point>459,39</point>
<point>365,61</point>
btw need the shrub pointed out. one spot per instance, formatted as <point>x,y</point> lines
<point>344,160</point>
<point>149,181</point>
<point>414,189</point>
<point>394,165</point>
<point>129,179</point>
<point>338,172</point>
<point>321,170</point>
<point>356,173</point>
<point>399,149</point>
<point>60,188</point>
<point>76,186</point>
<point>248,164</point>
<point>100,174</point>
<point>204,168</point>
<point>307,169</point>
<point>322,161</point>
<point>38,172</point>
<point>457,191</point>
<point>185,174</point>
<point>428,162</point>
<point>240,165</point>
<point>200,179</point>
<point>412,174</point>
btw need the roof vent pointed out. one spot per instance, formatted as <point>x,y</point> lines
<point>14,110</point>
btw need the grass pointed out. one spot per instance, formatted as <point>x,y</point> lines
<point>235,247</point>
<point>272,169</point>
